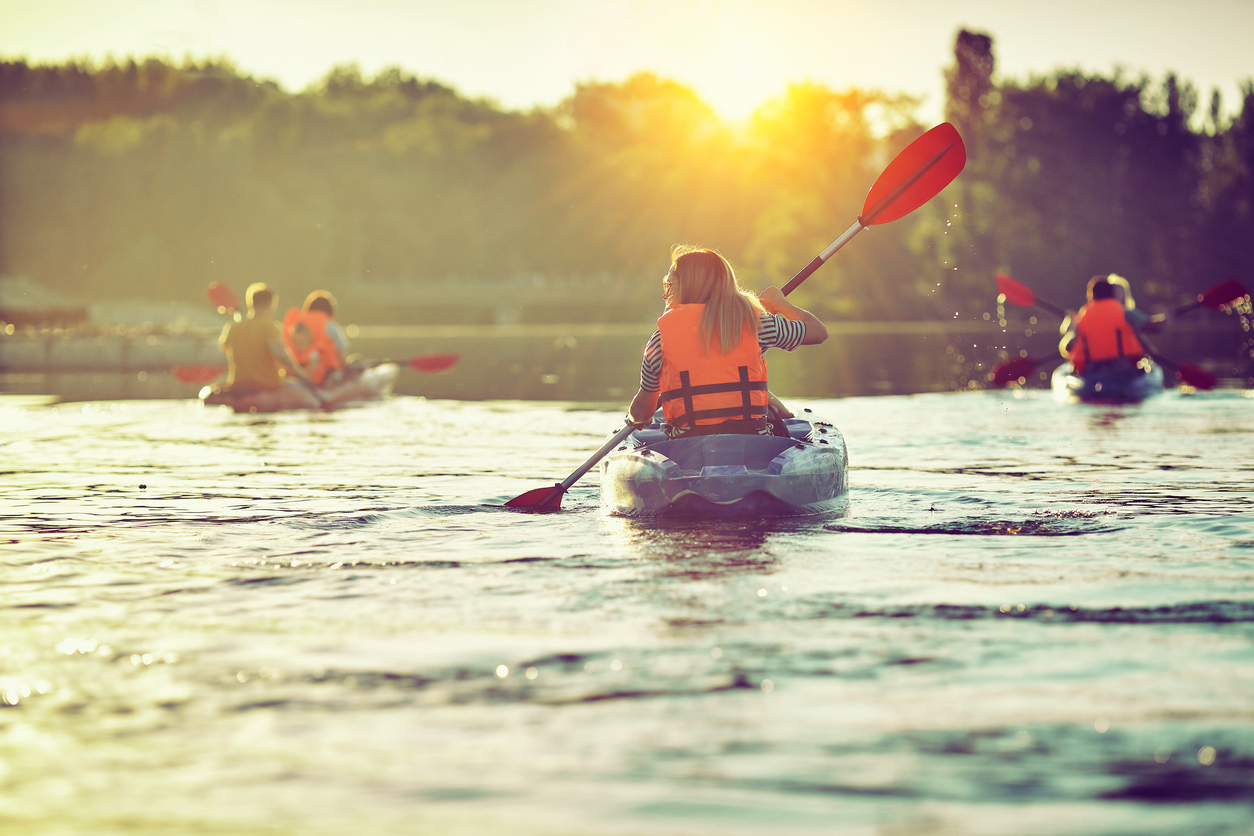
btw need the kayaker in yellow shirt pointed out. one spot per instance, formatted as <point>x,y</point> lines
<point>256,356</point>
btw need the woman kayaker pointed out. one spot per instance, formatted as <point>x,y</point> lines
<point>1101,331</point>
<point>704,363</point>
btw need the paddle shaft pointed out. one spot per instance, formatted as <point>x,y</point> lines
<point>1054,309</point>
<point>817,262</point>
<point>614,441</point>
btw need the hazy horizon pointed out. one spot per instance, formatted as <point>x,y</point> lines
<point>734,54</point>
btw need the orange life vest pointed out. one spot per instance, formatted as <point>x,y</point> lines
<point>703,389</point>
<point>328,355</point>
<point>1102,332</point>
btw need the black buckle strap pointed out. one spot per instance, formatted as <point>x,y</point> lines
<point>747,411</point>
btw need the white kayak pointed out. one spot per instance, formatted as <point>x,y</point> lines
<point>725,475</point>
<point>372,384</point>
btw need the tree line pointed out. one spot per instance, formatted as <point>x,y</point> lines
<point>151,179</point>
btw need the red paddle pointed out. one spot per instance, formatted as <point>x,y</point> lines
<point>1218,296</point>
<point>197,374</point>
<point>550,498</point>
<point>433,362</point>
<point>223,297</point>
<point>1194,376</point>
<point>914,177</point>
<point>1021,294</point>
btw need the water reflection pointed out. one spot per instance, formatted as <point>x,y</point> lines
<point>693,548</point>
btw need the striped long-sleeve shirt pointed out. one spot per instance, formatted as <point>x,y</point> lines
<point>774,331</point>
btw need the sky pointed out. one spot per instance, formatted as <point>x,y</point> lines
<point>736,54</point>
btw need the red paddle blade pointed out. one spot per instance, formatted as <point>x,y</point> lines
<point>1015,292</point>
<point>1196,376</point>
<point>433,362</point>
<point>223,297</point>
<point>916,175</point>
<point>1222,294</point>
<point>1010,371</point>
<point>541,499</point>
<point>196,374</point>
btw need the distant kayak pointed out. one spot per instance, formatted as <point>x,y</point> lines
<point>728,475</point>
<point>1113,382</point>
<point>372,384</point>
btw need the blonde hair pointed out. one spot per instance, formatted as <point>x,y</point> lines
<point>703,276</point>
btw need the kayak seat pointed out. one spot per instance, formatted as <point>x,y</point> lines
<point>798,428</point>
<point>754,452</point>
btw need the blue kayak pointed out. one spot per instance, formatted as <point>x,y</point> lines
<point>1116,381</point>
<point>728,475</point>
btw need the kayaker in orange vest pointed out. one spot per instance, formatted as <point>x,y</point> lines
<point>256,357</point>
<point>323,353</point>
<point>1100,332</point>
<point>704,364</point>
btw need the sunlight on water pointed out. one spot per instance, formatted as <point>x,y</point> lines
<point>313,623</point>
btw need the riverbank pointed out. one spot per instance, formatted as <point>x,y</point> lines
<point>576,361</point>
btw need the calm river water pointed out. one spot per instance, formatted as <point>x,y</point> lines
<point>1033,619</point>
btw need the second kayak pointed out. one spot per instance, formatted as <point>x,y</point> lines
<point>373,383</point>
<point>1112,382</point>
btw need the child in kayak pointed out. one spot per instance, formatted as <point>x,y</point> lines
<point>323,353</point>
<point>302,344</point>
<point>704,364</point>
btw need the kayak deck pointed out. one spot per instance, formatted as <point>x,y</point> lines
<point>728,475</point>
<point>372,384</point>
<point>1107,383</point>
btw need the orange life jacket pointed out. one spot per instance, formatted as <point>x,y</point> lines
<point>1102,332</point>
<point>328,355</point>
<point>703,389</point>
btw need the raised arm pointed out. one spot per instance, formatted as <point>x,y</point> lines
<point>774,301</point>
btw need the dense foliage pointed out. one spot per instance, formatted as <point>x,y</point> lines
<point>144,179</point>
